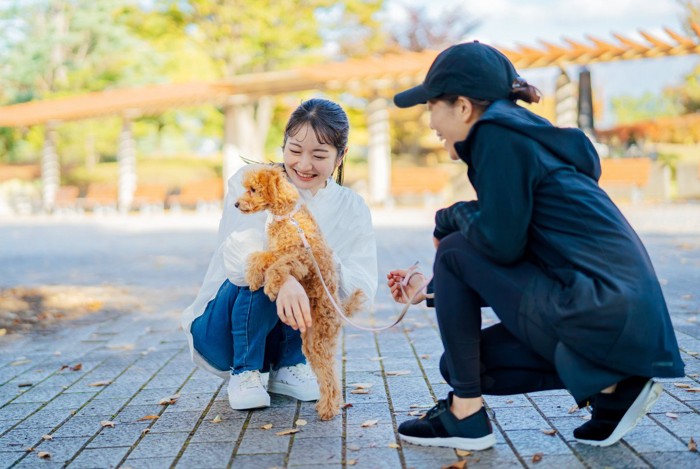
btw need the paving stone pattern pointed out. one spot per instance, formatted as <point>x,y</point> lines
<point>108,413</point>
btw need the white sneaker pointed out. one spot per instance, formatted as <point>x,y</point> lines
<point>297,381</point>
<point>246,391</point>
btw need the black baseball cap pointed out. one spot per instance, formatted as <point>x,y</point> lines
<point>471,69</point>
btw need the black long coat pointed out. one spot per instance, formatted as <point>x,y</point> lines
<point>539,200</point>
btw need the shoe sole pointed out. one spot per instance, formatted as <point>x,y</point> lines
<point>262,402</point>
<point>292,391</point>
<point>471,444</point>
<point>651,392</point>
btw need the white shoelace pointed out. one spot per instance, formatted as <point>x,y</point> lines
<point>302,372</point>
<point>249,380</point>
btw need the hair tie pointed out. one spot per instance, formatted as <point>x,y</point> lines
<point>520,82</point>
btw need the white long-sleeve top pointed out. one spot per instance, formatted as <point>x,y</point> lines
<point>344,220</point>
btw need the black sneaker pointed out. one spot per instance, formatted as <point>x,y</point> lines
<point>616,414</point>
<point>439,427</point>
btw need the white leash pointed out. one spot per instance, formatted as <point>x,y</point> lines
<point>411,271</point>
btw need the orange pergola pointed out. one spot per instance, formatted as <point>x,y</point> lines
<point>376,72</point>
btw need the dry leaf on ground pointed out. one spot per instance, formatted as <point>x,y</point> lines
<point>346,405</point>
<point>169,400</point>
<point>217,419</point>
<point>44,455</point>
<point>145,430</point>
<point>107,423</point>
<point>573,408</point>
<point>267,426</point>
<point>361,385</point>
<point>121,347</point>
<point>416,413</point>
<point>351,462</point>
<point>420,406</point>
<point>393,445</point>
<point>537,457</point>
<point>369,423</point>
<point>287,432</point>
<point>692,390</point>
<point>20,362</point>
<point>47,437</point>
<point>682,385</point>
<point>692,446</point>
<point>359,391</point>
<point>76,367</point>
<point>671,415</point>
<point>300,423</point>
<point>463,452</point>
<point>148,417</point>
<point>398,373</point>
<point>100,383</point>
<point>353,447</point>
<point>376,359</point>
<point>550,432</point>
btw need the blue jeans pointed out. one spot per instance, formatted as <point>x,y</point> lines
<point>240,331</point>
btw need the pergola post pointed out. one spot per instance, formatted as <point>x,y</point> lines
<point>565,101</point>
<point>126,156</point>
<point>379,151</point>
<point>50,169</point>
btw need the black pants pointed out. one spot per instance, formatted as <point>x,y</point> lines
<point>512,357</point>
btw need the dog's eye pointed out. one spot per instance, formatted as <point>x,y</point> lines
<point>252,190</point>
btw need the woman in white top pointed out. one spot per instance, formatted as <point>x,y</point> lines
<point>237,332</point>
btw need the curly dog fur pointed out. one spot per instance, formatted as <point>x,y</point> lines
<point>267,188</point>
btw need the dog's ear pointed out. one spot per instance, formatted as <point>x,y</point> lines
<point>283,194</point>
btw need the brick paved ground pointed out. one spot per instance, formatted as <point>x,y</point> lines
<point>144,359</point>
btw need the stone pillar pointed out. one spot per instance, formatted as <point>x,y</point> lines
<point>585,102</point>
<point>379,154</point>
<point>126,156</point>
<point>50,168</point>
<point>565,101</point>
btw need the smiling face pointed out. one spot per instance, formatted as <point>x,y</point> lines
<point>308,162</point>
<point>451,122</point>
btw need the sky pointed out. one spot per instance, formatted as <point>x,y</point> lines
<point>508,23</point>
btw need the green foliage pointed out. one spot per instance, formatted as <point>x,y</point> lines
<point>629,109</point>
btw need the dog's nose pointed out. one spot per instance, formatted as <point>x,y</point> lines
<point>236,205</point>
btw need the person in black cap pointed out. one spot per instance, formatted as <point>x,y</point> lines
<point>579,303</point>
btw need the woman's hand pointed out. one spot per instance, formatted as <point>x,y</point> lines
<point>293,305</point>
<point>415,281</point>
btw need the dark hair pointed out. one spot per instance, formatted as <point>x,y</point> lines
<point>522,90</point>
<point>330,124</point>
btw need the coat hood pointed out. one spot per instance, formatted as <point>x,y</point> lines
<point>570,145</point>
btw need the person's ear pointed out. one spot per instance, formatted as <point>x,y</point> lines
<point>465,109</point>
<point>341,156</point>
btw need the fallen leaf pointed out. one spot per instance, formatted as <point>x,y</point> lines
<point>420,406</point>
<point>300,423</point>
<point>398,373</point>
<point>671,415</point>
<point>47,437</point>
<point>353,447</point>
<point>107,423</point>
<point>76,367</point>
<point>361,385</point>
<point>121,347</point>
<point>44,455</point>
<point>359,391</point>
<point>101,383</point>
<point>693,354</point>
<point>369,423</point>
<point>416,413</point>
<point>148,417</point>
<point>351,462</point>
<point>169,400</point>
<point>692,390</point>
<point>376,359</point>
<point>682,385</point>
<point>216,419</point>
<point>346,405</point>
<point>425,356</point>
<point>550,431</point>
<point>692,446</point>
<point>267,426</point>
<point>20,362</point>
<point>694,375</point>
<point>24,385</point>
<point>573,408</point>
<point>287,432</point>
<point>509,401</point>
<point>537,457</point>
<point>28,450</point>
<point>456,465</point>
<point>463,452</point>
<point>145,430</point>
<point>393,445</point>
<point>585,417</point>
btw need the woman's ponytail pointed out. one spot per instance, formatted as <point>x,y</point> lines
<point>524,91</point>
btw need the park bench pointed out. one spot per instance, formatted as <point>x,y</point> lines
<point>150,197</point>
<point>100,197</point>
<point>425,184</point>
<point>200,195</point>
<point>625,178</point>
